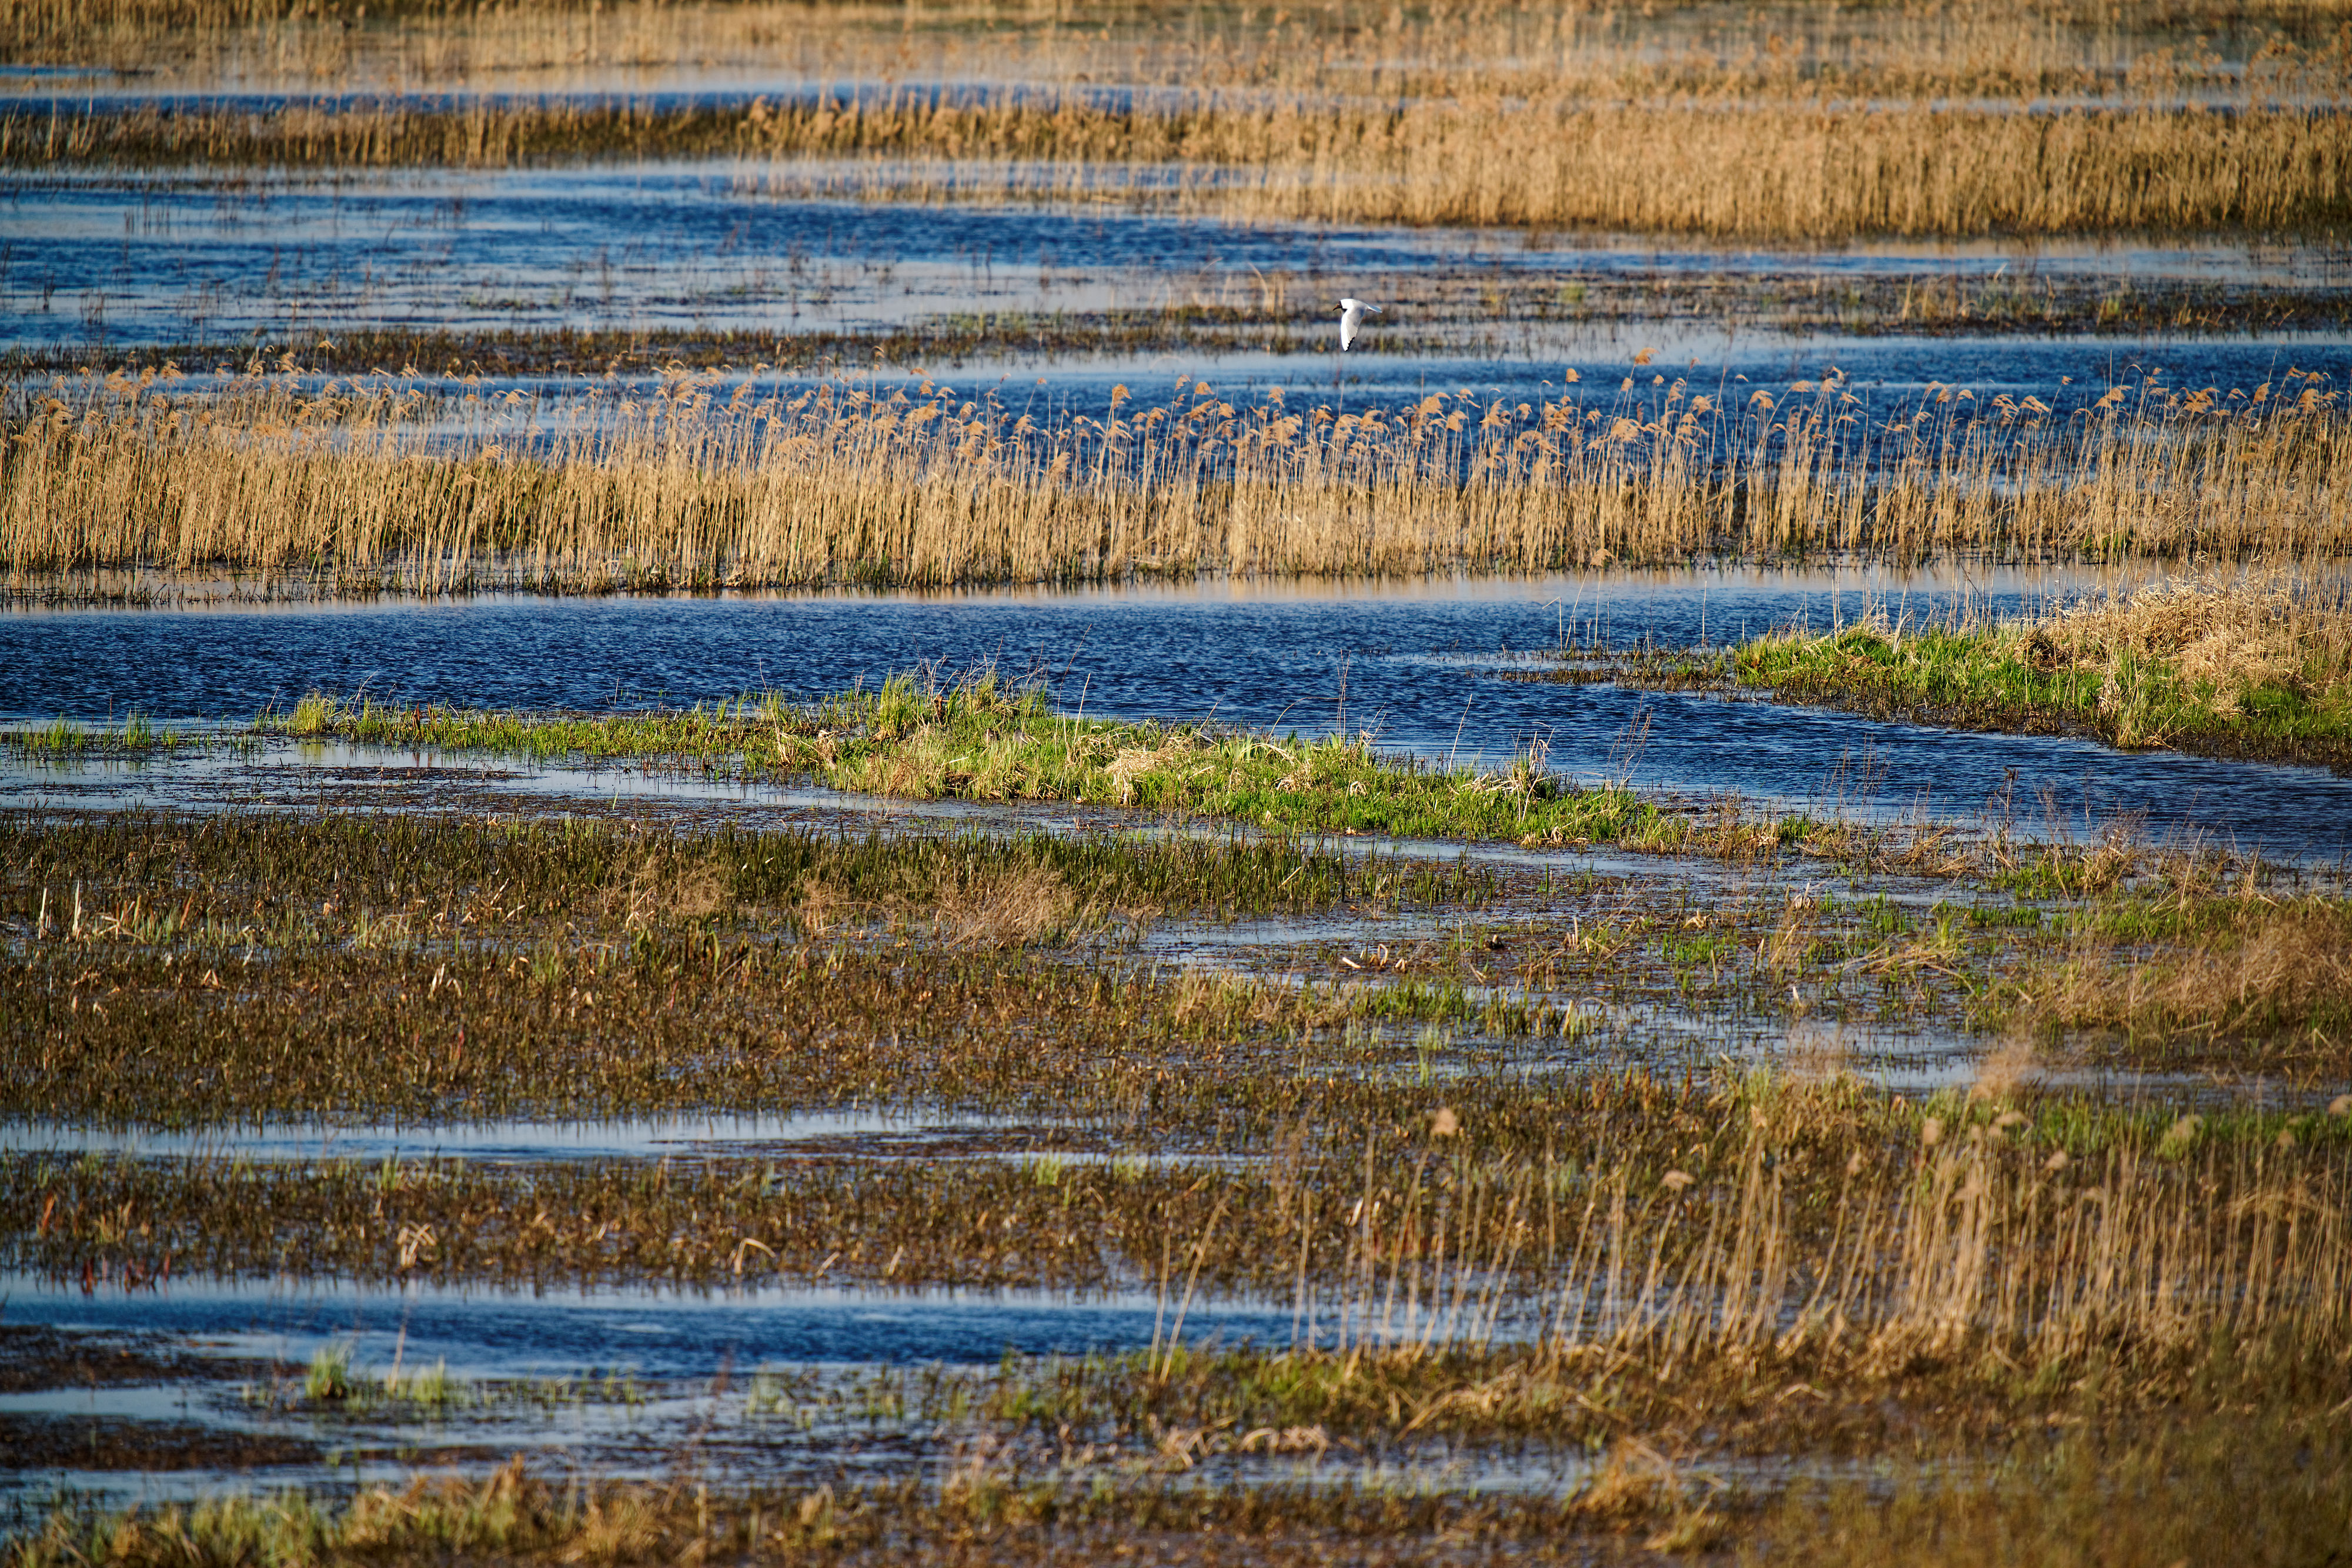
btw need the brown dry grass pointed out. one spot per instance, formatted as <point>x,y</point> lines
<point>2006,49</point>
<point>1804,121</point>
<point>1010,909</point>
<point>1558,159</point>
<point>1807,170</point>
<point>2224,635</point>
<point>1973,1245</point>
<point>1785,952</point>
<point>340,489</point>
<point>2278,970</point>
<point>659,887</point>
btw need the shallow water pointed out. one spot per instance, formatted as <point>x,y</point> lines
<point>111,261</point>
<point>107,263</point>
<point>1409,655</point>
<point>702,1134</point>
<point>561,1332</point>
<point>613,1384</point>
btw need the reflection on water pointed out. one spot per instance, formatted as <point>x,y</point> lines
<point>771,1386</point>
<point>1404,661</point>
<point>120,259</point>
<point>702,1133</point>
<point>557,1330</point>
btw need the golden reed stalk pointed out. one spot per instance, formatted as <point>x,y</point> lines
<point>2119,50</point>
<point>1957,1247</point>
<point>369,484</point>
<point>1802,170</point>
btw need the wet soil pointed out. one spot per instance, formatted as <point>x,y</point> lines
<point>36,1356</point>
<point>114,1442</point>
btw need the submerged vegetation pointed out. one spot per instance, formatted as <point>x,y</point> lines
<point>1486,1232</point>
<point>1588,1177</point>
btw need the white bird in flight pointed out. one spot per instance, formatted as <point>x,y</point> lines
<point>1351,320</point>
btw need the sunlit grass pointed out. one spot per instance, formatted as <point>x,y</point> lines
<point>706,483</point>
<point>63,737</point>
<point>1516,1251</point>
<point>978,739</point>
<point>1795,122</point>
<point>1789,51</point>
<point>1775,171</point>
<point>2255,665</point>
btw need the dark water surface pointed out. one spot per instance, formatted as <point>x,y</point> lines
<point>613,1384</point>
<point>1412,663</point>
<point>559,1331</point>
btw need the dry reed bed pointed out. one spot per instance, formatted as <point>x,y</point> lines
<point>2292,48</point>
<point>675,487</point>
<point>2278,968</point>
<point>1848,1250</point>
<point>1727,171</point>
<point>2223,635</point>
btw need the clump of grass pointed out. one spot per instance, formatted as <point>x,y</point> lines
<point>329,1376</point>
<point>2273,975</point>
<point>137,736</point>
<point>2256,665</point>
<point>505,1513</point>
<point>1004,911</point>
<point>975,738</point>
<point>2254,1485</point>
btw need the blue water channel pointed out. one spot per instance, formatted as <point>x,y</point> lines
<point>557,1330</point>
<point>1420,666</point>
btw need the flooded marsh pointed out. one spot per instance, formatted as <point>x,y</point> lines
<point>1471,1191</point>
<point>749,812</point>
<point>1186,1176</point>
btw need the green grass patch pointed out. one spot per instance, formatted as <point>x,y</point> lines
<point>2052,676</point>
<point>62,738</point>
<point>980,740</point>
